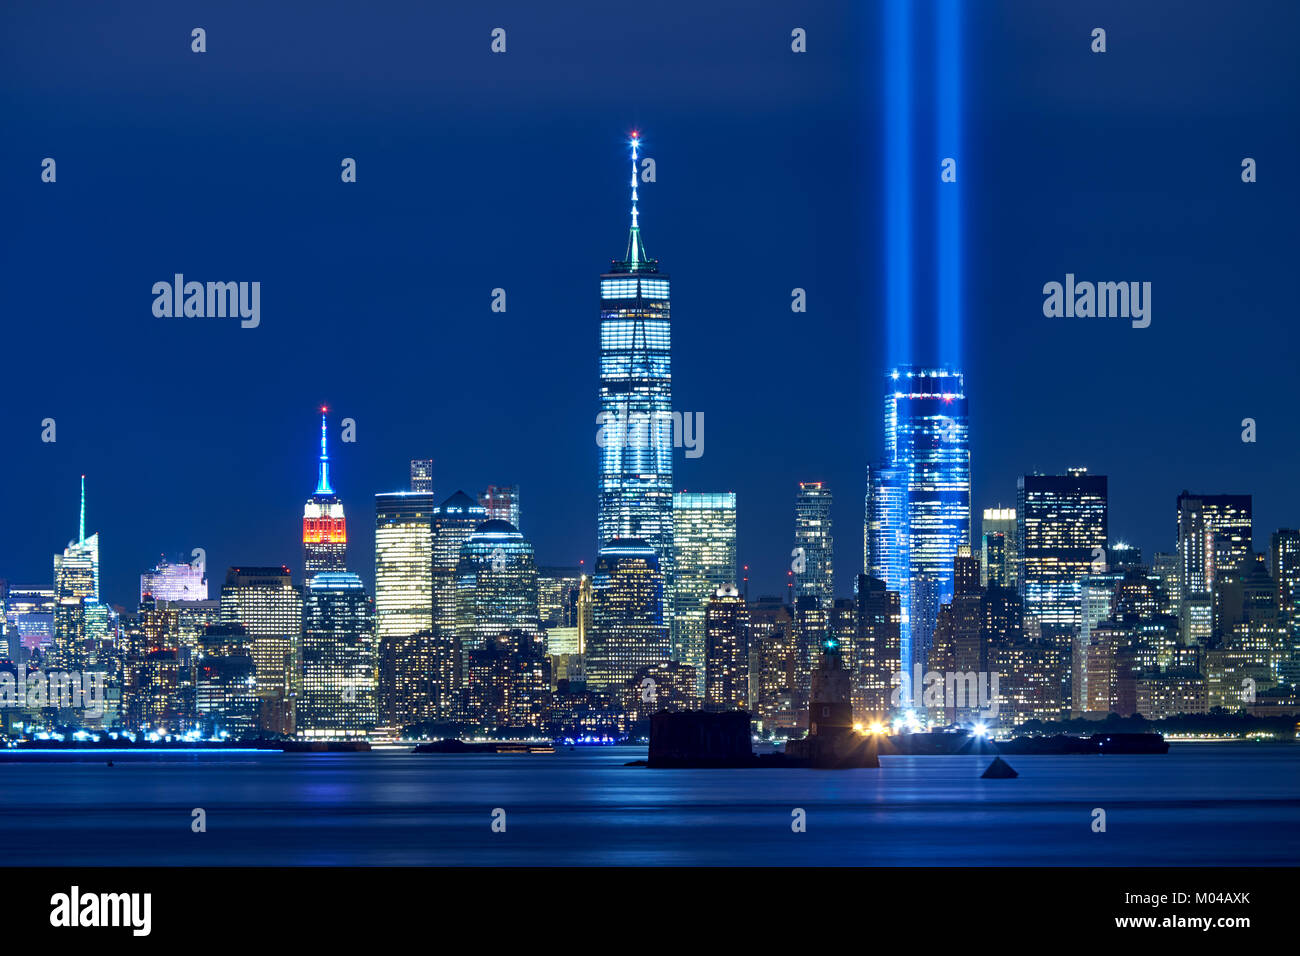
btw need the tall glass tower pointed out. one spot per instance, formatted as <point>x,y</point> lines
<point>628,631</point>
<point>496,585</point>
<point>813,544</point>
<point>404,606</point>
<point>635,420</point>
<point>704,550</point>
<point>338,659</point>
<point>453,522</point>
<point>76,584</point>
<point>324,530</point>
<point>918,506</point>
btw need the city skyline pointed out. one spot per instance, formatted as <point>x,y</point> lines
<point>842,581</point>
<point>763,186</point>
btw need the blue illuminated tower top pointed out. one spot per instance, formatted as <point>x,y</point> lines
<point>635,422</point>
<point>323,483</point>
<point>637,259</point>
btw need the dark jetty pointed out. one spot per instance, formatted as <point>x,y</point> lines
<point>701,740</point>
<point>696,738</point>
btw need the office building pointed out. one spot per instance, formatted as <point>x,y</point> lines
<point>338,696</point>
<point>704,544</point>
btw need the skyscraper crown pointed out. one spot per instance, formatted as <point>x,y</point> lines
<point>637,259</point>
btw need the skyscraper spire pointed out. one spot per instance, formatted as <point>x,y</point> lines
<point>81,527</point>
<point>636,476</point>
<point>324,529</point>
<point>635,250</point>
<point>323,484</point>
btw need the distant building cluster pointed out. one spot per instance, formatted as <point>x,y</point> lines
<point>466,634</point>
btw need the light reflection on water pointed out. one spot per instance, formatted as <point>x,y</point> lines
<point>1202,804</point>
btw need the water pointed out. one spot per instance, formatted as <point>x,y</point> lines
<point>1202,804</point>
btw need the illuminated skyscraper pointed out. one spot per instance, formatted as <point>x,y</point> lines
<point>501,502</point>
<point>422,475</point>
<point>811,561</point>
<point>338,699</point>
<point>268,605</point>
<point>225,682</point>
<point>1062,529</point>
<point>635,420</point>
<point>557,595</point>
<point>726,651</point>
<point>496,585</point>
<point>918,506</point>
<point>876,649</point>
<point>772,654</point>
<point>1214,535</point>
<point>1164,566</point>
<point>811,630</point>
<point>628,630</point>
<point>404,606</point>
<point>502,647</point>
<point>29,612</point>
<point>324,530</point>
<point>76,581</point>
<point>453,522</point>
<point>1000,559</point>
<point>704,550</point>
<point>1284,551</point>
<point>168,581</point>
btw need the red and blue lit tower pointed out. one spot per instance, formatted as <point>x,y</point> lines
<point>324,529</point>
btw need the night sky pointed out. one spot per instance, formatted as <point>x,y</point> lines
<point>478,171</point>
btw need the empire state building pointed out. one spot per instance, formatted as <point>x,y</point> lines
<point>324,530</point>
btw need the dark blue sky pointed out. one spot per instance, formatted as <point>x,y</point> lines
<point>479,171</point>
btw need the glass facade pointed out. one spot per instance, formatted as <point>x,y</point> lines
<point>266,603</point>
<point>404,606</point>
<point>453,522</point>
<point>496,585</point>
<point>1062,528</point>
<point>167,581</point>
<point>635,435</point>
<point>403,564</point>
<point>1214,536</point>
<point>812,563</point>
<point>726,651</point>
<point>628,630</point>
<point>1001,559</point>
<point>76,582</point>
<point>338,697</point>
<point>704,545</point>
<point>501,502</point>
<point>919,499</point>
